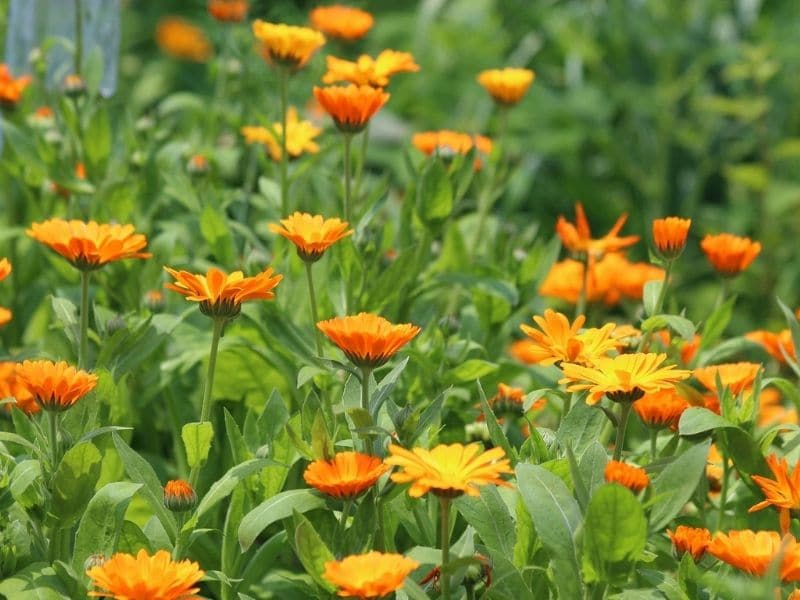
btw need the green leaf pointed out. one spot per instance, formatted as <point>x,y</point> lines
<point>197,438</point>
<point>791,322</point>
<point>217,234</point>
<point>97,141</point>
<point>66,313</point>
<point>470,370</point>
<point>507,581</point>
<point>489,516</point>
<point>680,325</point>
<point>650,294</point>
<point>274,509</point>
<point>495,431</point>
<point>74,482</point>
<point>675,485</point>
<point>35,582</point>
<point>716,323</point>
<point>434,194</point>
<point>700,420</point>
<point>592,467</point>
<point>581,427</point>
<point>311,550</point>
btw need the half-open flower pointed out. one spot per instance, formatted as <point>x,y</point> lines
<point>369,576</point>
<point>311,234</point>
<point>367,339</point>
<point>346,475</point>
<point>55,386</point>
<point>506,86</point>
<point>351,106</point>
<point>632,477</point>
<point>694,540</point>
<point>287,45</point>
<point>669,236</point>
<point>730,254</point>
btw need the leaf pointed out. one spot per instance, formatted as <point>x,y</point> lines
<point>434,200</point>
<point>97,141</point>
<point>385,388</point>
<point>274,509</point>
<point>217,234</point>
<point>675,485</point>
<point>680,325</point>
<point>495,431</point>
<point>592,467</point>
<point>66,313</point>
<point>35,582</point>
<point>197,438</point>
<point>311,550</point>
<point>470,370</point>
<point>581,427</point>
<point>791,322</point>
<point>716,323</point>
<point>74,482</point>
<point>700,420</point>
<point>507,582</point>
<point>650,293</point>
<point>490,518</point>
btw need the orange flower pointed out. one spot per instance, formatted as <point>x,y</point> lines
<point>783,492</point>
<point>352,106</point>
<point>5,316</point>
<point>715,469</point>
<point>623,378</point>
<point>694,540</point>
<point>633,478</point>
<point>669,235</point>
<point>287,45</point>
<point>778,345</point>
<point>689,349</point>
<point>221,295</point>
<point>559,341</point>
<point>299,138</point>
<point>181,39</point>
<point>345,476</point>
<point>55,386</point>
<point>156,577</point>
<point>312,234</point>
<point>506,86</point>
<point>366,339</point>
<point>737,377</point>
<point>228,11</point>
<point>11,89</point>
<point>12,386</point>
<point>89,246</point>
<point>771,410</point>
<point>729,254</point>
<point>509,400</point>
<point>342,22</point>
<point>447,143</point>
<point>578,238</point>
<point>370,575</point>
<point>5,268</point>
<point>197,165</point>
<point>661,409</point>
<point>754,551</point>
<point>375,72</point>
<point>179,495</point>
<point>448,471</point>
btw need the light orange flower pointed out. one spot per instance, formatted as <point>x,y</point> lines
<point>783,492</point>
<point>311,234</point>
<point>351,106</point>
<point>510,400</point>
<point>220,294</point>
<point>730,254</point>
<point>228,11</point>
<point>287,45</point>
<point>198,164</point>
<point>179,38</point>
<point>506,86</point>
<point>342,22</point>
<point>179,495</point>
<point>771,410</point>
<point>11,89</point>
<point>778,345</point>
<point>669,236</point>
<point>367,339</point>
<point>623,378</point>
<point>375,72</point>
<point>577,238</point>
<point>737,377</point>
<point>632,477</point>
<point>448,143</point>
<point>55,386</point>
<point>346,475</point>
<point>369,576</point>
<point>754,551</point>
<point>12,386</point>
<point>694,540</point>
<point>5,268</point>
<point>299,138</point>
<point>556,340</point>
<point>715,467</point>
<point>5,316</point>
<point>448,471</point>
<point>661,409</point>
<point>155,577</point>
<point>89,246</point>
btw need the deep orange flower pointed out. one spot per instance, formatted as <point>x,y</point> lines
<point>89,246</point>
<point>198,164</point>
<point>783,492</point>
<point>510,400</point>
<point>623,378</point>
<point>661,409</point>
<point>729,254</point>
<point>220,294</point>
<point>669,235</point>
<point>179,38</point>
<point>179,495</point>
<point>12,386</point>
<point>506,86</point>
<point>299,138</point>
<point>689,349</point>
<point>55,386</point>
<point>375,72</point>
<point>367,339</point>
<point>778,345</point>
<point>157,577</point>
<point>447,143</point>
<point>369,576</point>
<point>345,476</point>
<point>578,238</point>
<point>342,22</point>
<point>754,551</point>
<point>311,234</point>
<point>287,45</point>
<point>5,268</point>
<point>228,11</point>
<point>11,89</point>
<point>694,540</point>
<point>737,377</point>
<point>633,478</point>
<point>448,471</point>
<point>352,106</point>
<point>559,341</point>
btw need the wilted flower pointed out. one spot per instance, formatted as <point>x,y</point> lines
<point>375,72</point>
<point>506,86</point>
<point>369,576</point>
<point>367,339</point>
<point>632,477</point>
<point>352,106</point>
<point>729,254</point>
<point>311,234</point>
<point>179,38</point>
<point>287,45</point>
<point>346,475</point>
<point>299,139</point>
<point>342,22</point>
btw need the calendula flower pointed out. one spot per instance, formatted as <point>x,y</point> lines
<point>197,164</point>
<point>341,22</point>
<point>55,386</point>
<point>89,246</point>
<point>287,45</point>
<point>694,540</point>
<point>367,339</point>
<point>42,118</point>
<point>12,386</point>
<point>179,38</point>
<point>783,492</point>
<point>311,234</point>
<point>156,577</point>
<point>346,475</point>
<point>661,409</point>
<point>375,72</point>
<point>689,348</point>
<point>448,471</point>
<point>352,106</point>
<point>448,143</point>
<point>368,576</point>
<point>669,236</point>
<point>179,495</point>
<point>729,254</point>
<point>220,294</point>
<point>299,137</point>
<point>506,86</point>
<point>556,340</point>
<point>577,238</point>
<point>778,345</point>
<point>5,268</point>
<point>154,300</point>
<point>509,400</point>
<point>737,377</point>
<point>228,11</point>
<point>633,478</point>
<point>715,469</point>
<point>771,410</point>
<point>754,551</point>
<point>623,378</point>
<point>10,88</point>
<point>5,316</point>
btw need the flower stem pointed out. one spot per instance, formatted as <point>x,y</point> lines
<point>284,90</point>
<point>78,37</point>
<point>348,138</point>
<point>580,306</point>
<point>662,294</point>
<point>52,422</point>
<point>83,332</point>
<point>312,297</point>
<point>445,537</point>
<point>365,373</point>
<point>361,161</point>
<point>723,494</point>
<point>653,443</point>
<point>623,424</point>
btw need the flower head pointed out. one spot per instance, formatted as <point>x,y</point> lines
<point>633,478</point>
<point>694,540</point>
<point>556,340</point>
<point>506,86</point>
<point>5,268</point>
<point>737,377</point>
<point>369,576</point>
<point>352,106</point>
<point>11,89</point>
<point>179,495</point>
<point>754,551</point>
<point>577,238</point>
<point>155,577</point>
<point>448,471</point>
<point>367,339</point>
<point>661,409</point>
<point>782,492</point>
<point>729,254</point>
<point>220,294</point>
<point>12,386</point>
<point>342,22</point>
<point>55,386</point>
<point>299,136</point>
<point>375,72</point>
<point>346,475</point>
<point>179,38</point>
<point>448,143</point>
<point>228,11</point>
<point>89,246</point>
<point>287,44</point>
<point>311,234</point>
<point>623,378</point>
<point>508,400</point>
<point>669,235</point>
<point>778,345</point>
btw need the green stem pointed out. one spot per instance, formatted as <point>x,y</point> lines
<point>177,550</point>
<point>723,292</point>
<point>52,422</point>
<point>284,90</point>
<point>78,37</point>
<point>342,526</point>
<point>623,424</point>
<point>348,138</point>
<point>723,494</point>
<point>83,332</point>
<point>445,537</point>
<point>312,297</point>
<point>365,373</point>
<point>362,159</point>
<point>653,443</point>
<point>580,307</point>
<point>662,294</point>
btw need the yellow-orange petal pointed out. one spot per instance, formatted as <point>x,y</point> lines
<point>368,340</point>
<point>346,475</point>
<point>369,576</point>
<point>311,234</point>
<point>351,106</point>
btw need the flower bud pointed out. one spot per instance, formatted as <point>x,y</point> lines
<point>74,86</point>
<point>179,496</point>
<point>154,301</point>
